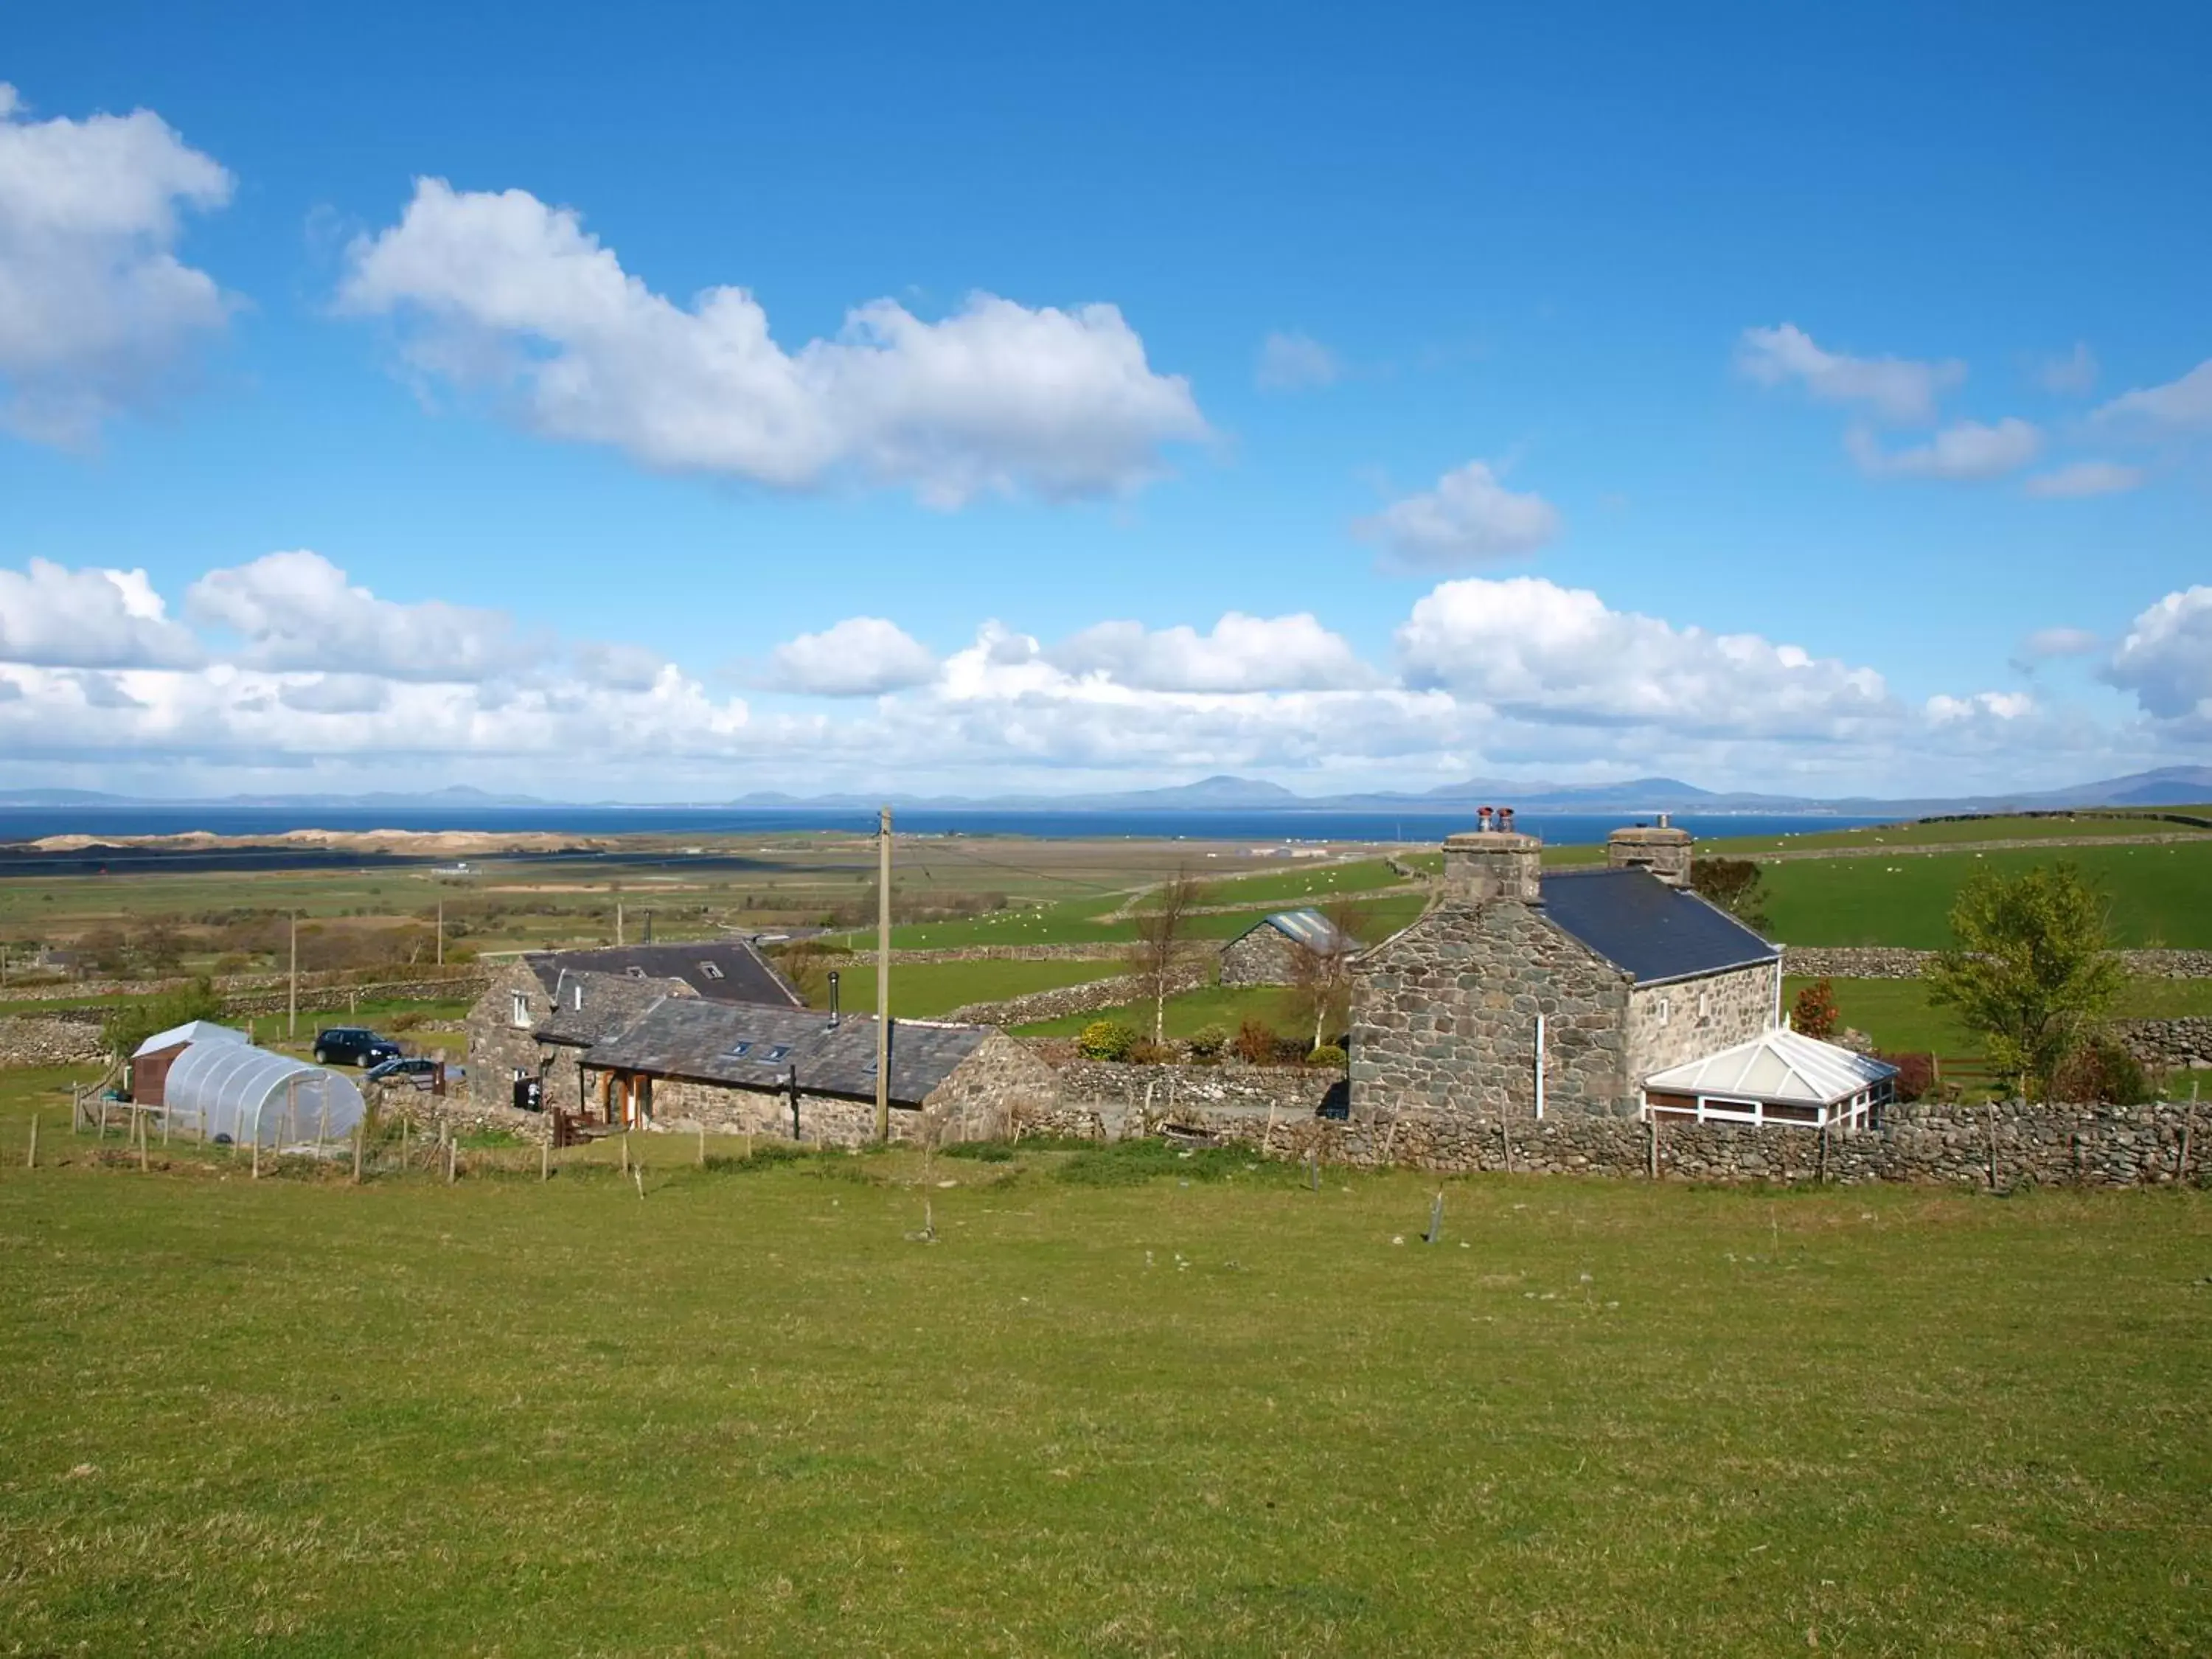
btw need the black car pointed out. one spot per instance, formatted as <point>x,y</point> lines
<point>417,1073</point>
<point>353,1045</point>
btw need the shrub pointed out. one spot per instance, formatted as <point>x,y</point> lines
<point>1916,1075</point>
<point>1814,1012</point>
<point>1328,1054</point>
<point>1106,1039</point>
<point>1208,1042</point>
<point>131,1024</point>
<point>1146,1052</point>
<point>2103,1071</point>
<point>1255,1043</point>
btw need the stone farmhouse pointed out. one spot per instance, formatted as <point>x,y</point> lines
<point>539,1010</point>
<point>1522,993</point>
<point>1266,952</point>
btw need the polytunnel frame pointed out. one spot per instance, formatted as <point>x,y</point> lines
<point>227,1088</point>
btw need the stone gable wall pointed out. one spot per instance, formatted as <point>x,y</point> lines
<point>986,1091</point>
<point>498,1048</point>
<point>1443,1017</point>
<point>1738,1006</point>
<point>1262,957</point>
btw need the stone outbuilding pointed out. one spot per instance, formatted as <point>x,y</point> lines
<point>1267,952</point>
<point>811,1076</point>
<point>515,1059</point>
<point>1521,993</point>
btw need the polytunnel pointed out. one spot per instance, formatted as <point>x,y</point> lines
<point>246,1094</point>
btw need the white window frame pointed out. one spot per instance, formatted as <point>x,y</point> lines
<point>518,1013</point>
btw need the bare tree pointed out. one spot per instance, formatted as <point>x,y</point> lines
<point>1163,923</point>
<point>1321,971</point>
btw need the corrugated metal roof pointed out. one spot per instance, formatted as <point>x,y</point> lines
<point>1307,928</point>
<point>589,1008</point>
<point>1779,1065</point>
<point>720,970</point>
<point>756,1047</point>
<point>192,1030</point>
<point>1652,931</point>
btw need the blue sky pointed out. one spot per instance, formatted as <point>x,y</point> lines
<point>1774,400</point>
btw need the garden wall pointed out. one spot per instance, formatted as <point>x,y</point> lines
<point>43,1040</point>
<point>2166,1045</point>
<point>1893,962</point>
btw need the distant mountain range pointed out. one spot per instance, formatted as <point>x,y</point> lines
<point>2170,785</point>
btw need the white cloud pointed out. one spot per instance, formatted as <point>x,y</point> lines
<point>1242,653</point>
<point>2048,643</point>
<point>2072,375</point>
<point>96,310</point>
<point>508,293</point>
<point>1557,655</point>
<point>91,618</point>
<point>1945,710</point>
<point>1293,361</point>
<point>1899,389</point>
<point>2166,660</point>
<point>2079,478</point>
<point>625,667</point>
<point>859,657</point>
<point>2185,405</point>
<point>297,611</point>
<point>1965,451</point>
<point>1467,518</point>
<point>336,694</point>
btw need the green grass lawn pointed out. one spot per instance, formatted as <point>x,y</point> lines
<point>1897,1014</point>
<point>1216,1005</point>
<point>1950,832</point>
<point>2159,895</point>
<point>1081,921</point>
<point>1209,1412</point>
<point>928,990</point>
<point>1308,886</point>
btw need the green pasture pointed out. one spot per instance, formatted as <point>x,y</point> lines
<point>2159,895</point>
<point>926,990</point>
<point>1897,1014</point>
<point>1951,831</point>
<point>1299,887</point>
<point>1085,922</point>
<point>1125,1403</point>
<point>1227,1006</point>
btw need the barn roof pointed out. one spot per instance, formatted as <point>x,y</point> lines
<point>720,970</point>
<point>1308,928</point>
<point>1652,931</point>
<point>757,1047</point>
<point>589,1008</point>
<point>1780,1065</point>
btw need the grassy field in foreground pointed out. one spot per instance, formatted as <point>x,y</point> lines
<point>1209,1411</point>
<point>2159,895</point>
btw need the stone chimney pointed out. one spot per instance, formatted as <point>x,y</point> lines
<point>1483,865</point>
<point>1660,848</point>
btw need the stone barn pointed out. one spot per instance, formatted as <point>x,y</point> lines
<point>1266,952</point>
<point>812,1076</point>
<point>1521,993</point>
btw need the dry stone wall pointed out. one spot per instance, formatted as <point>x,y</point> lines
<point>40,1040</point>
<point>1893,962</point>
<point>2168,1045</point>
<point>1086,998</point>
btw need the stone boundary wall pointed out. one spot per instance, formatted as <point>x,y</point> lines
<point>1895,962</point>
<point>230,985</point>
<point>443,990</point>
<point>2168,1045</point>
<point>2006,1146</point>
<point>37,1040</point>
<point>1086,998</point>
<point>1107,1100</point>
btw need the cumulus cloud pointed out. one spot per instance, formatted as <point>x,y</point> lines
<point>336,694</point>
<point>2166,660</point>
<point>1900,389</point>
<point>859,657</point>
<point>1945,710</point>
<point>504,292</point>
<point>96,310</point>
<point>2072,375</point>
<point>2185,405</point>
<point>2046,643</point>
<point>1469,518</point>
<point>297,611</point>
<point>62,618</point>
<point>1561,655</point>
<point>2079,478</point>
<point>1293,361</point>
<point>626,667</point>
<point>1242,653</point>
<point>1967,451</point>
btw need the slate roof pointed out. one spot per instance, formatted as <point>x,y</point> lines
<point>720,970</point>
<point>701,1040</point>
<point>589,1008</point>
<point>1307,928</point>
<point>1653,932</point>
<point>1780,1065</point>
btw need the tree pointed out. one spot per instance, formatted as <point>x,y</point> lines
<point>1162,924</point>
<point>1320,974</point>
<point>132,1023</point>
<point>1735,885</point>
<point>2031,969</point>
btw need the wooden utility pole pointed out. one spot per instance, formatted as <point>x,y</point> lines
<point>883,977</point>
<point>292,988</point>
<point>441,931</point>
<point>618,922</point>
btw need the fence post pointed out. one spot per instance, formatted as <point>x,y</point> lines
<point>360,1143</point>
<point>1652,1124</point>
<point>545,1157</point>
<point>1989,1123</point>
<point>452,1160</point>
<point>31,1162</point>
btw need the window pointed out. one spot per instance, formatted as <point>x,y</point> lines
<point>1704,1009</point>
<point>1661,1007</point>
<point>519,1013</point>
<point>775,1051</point>
<point>740,1050</point>
<point>634,973</point>
<point>711,970</point>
